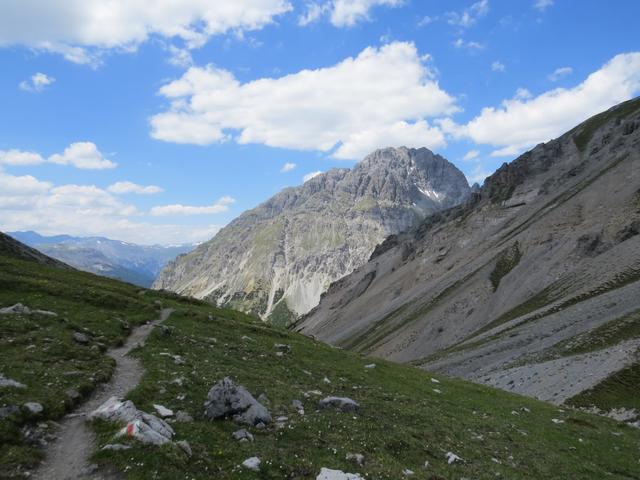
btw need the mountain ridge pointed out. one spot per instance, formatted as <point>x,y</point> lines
<point>277,258</point>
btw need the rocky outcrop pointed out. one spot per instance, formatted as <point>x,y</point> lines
<point>277,259</point>
<point>542,262</point>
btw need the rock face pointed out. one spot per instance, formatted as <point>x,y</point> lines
<point>226,399</point>
<point>277,259</point>
<point>541,263</point>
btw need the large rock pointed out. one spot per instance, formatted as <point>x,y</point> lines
<point>342,404</point>
<point>143,432</point>
<point>115,410</point>
<point>226,399</point>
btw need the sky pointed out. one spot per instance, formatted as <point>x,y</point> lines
<point>160,125</point>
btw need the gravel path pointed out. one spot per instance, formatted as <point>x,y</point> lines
<point>68,457</point>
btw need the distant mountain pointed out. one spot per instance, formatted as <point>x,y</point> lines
<point>138,264</point>
<point>10,247</point>
<point>532,285</point>
<point>277,259</point>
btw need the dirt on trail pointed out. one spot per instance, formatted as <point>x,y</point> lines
<point>68,457</point>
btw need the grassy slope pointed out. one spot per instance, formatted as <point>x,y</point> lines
<point>404,421</point>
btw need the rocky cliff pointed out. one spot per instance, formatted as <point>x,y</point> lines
<point>277,259</point>
<point>534,281</point>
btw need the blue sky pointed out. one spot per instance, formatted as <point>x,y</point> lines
<point>159,127</point>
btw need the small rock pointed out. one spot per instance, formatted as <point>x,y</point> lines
<point>73,395</point>
<point>342,404</point>
<point>452,458</point>
<point>407,473</point>
<point>9,410</point>
<point>17,309</point>
<point>326,380</point>
<point>435,380</point>
<point>370,366</point>
<point>184,445</point>
<point>328,474</point>
<point>252,463</point>
<point>242,435</point>
<point>263,399</point>
<point>355,457</point>
<point>164,412</point>
<point>182,416</point>
<point>283,348</point>
<point>81,338</point>
<point>34,407</point>
<point>298,406</point>
<point>7,382</point>
<point>116,447</point>
<point>557,421</point>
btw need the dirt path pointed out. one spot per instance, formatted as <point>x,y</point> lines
<point>68,457</point>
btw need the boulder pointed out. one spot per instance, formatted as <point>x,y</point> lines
<point>252,463</point>
<point>139,430</point>
<point>115,410</point>
<point>226,399</point>
<point>328,474</point>
<point>341,404</point>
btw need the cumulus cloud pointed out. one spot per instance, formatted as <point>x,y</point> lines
<point>287,167</point>
<point>469,16</point>
<point>130,187</point>
<point>27,203</point>
<point>221,205</point>
<point>343,13</point>
<point>81,30</point>
<point>525,120</point>
<point>311,175</point>
<point>542,5</point>
<point>383,95</point>
<point>560,73</point>
<point>36,83</point>
<point>82,155</point>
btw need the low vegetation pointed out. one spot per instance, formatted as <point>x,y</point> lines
<point>409,419</point>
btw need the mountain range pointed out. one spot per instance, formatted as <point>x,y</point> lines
<point>277,259</point>
<point>531,285</point>
<point>137,264</point>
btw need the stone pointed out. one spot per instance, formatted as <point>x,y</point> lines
<point>115,447</point>
<point>242,435</point>
<point>263,399</point>
<point>115,410</point>
<point>226,399</point>
<point>139,430</point>
<point>252,463</point>
<point>298,406</point>
<point>186,448</point>
<point>371,366</point>
<point>7,382</point>
<point>17,309</point>
<point>34,407</point>
<point>182,416</point>
<point>452,458</point>
<point>408,473</point>
<point>73,394</point>
<point>81,338</point>
<point>355,457</point>
<point>9,410</point>
<point>283,348</point>
<point>328,474</point>
<point>164,412</point>
<point>341,404</point>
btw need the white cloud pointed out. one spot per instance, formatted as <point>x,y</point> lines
<point>287,167</point>
<point>343,13</point>
<point>221,205</point>
<point>498,66</point>
<point>27,203</point>
<point>560,73</point>
<point>469,16</point>
<point>82,155</point>
<point>36,83</point>
<point>471,45</point>
<point>525,121</point>
<point>81,30</point>
<point>426,20</point>
<point>471,155</point>
<point>179,57</point>
<point>366,101</point>
<point>19,158</point>
<point>130,187</point>
<point>311,175</point>
<point>542,4</point>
